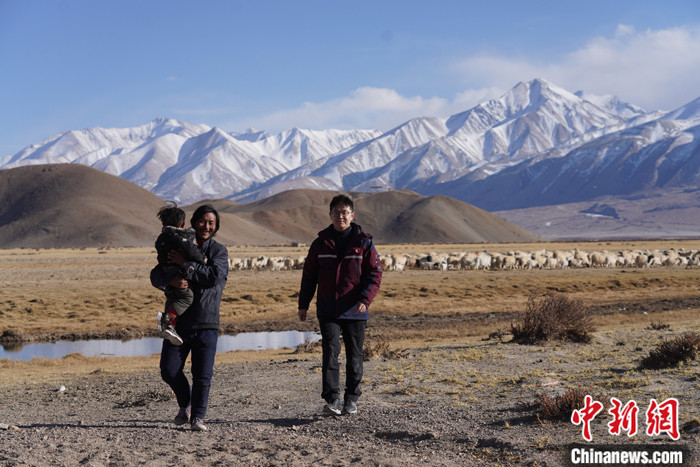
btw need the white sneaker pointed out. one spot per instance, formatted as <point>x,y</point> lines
<point>350,407</point>
<point>332,408</point>
<point>198,425</point>
<point>172,336</point>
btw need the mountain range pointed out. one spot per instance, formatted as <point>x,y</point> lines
<point>537,145</point>
<point>75,206</point>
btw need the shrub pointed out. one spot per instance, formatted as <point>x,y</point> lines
<point>671,352</point>
<point>553,317</point>
<point>658,326</point>
<point>308,346</point>
<point>380,347</point>
<point>561,407</point>
<point>498,334</point>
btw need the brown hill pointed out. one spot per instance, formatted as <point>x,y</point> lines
<point>73,206</point>
<point>237,229</point>
<point>406,217</point>
<point>391,217</point>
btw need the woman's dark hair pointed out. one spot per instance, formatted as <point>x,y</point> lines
<point>171,215</point>
<point>201,211</point>
<point>342,200</point>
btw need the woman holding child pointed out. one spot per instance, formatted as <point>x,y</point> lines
<point>199,325</point>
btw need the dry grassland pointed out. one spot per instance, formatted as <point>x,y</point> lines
<point>447,395</point>
<point>91,293</point>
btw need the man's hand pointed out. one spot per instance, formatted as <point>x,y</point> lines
<point>178,282</point>
<point>302,314</point>
<point>361,307</point>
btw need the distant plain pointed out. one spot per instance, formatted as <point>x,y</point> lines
<point>90,292</point>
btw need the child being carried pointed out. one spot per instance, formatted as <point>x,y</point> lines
<point>175,237</point>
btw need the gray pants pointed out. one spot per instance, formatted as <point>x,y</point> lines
<point>178,299</point>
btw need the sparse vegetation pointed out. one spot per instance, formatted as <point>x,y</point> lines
<point>658,326</point>
<point>499,334</point>
<point>553,317</point>
<point>468,303</point>
<point>452,393</point>
<point>380,347</point>
<point>672,352</point>
<point>308,346</point>
<point>560,407</point>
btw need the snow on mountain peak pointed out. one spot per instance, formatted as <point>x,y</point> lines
<point>533,94</point>
<point>535,120</point>
<point>690,111</point>
<point>612,104</point>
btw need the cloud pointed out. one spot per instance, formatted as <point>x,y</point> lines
<point>366,107</point>
<point>655,69</point>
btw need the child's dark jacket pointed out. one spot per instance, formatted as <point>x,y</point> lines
<point>173,238</point>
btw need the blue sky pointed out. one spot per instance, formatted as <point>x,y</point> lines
<point>274,65</point>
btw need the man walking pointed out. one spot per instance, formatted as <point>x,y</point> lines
<point>344,265</point>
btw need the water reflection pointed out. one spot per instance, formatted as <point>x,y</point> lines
<point>152,345</point>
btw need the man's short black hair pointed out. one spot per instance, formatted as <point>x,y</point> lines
<point>201,211</point>
<point>342,200</point>
<point>171,215</point>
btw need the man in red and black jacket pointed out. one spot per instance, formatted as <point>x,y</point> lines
<point>344,265</point>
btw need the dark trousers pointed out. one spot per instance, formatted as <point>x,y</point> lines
<point>354,338</point>
<point>202,344</point>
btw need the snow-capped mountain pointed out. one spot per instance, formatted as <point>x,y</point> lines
<point>657,154</point>
<point>537,144</point>
<point>645,155</point>
<point>185,162</point>
<point>532,120</point>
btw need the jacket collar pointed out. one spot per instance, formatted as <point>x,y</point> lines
<point>327,233</point>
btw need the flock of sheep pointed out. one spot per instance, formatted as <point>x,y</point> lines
<point>541,259</point>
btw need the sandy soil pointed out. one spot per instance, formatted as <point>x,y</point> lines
<point>468,404</point>
<point>443,394</point>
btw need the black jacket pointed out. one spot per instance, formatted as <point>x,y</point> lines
<point>172,238</point>
<point>207,282</point>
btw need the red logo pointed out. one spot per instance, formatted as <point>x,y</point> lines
<point>585,415</point>
<point>661,418</point>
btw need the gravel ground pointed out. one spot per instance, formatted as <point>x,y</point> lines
<point>471,404</point>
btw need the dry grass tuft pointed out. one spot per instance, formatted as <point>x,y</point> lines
<point>659,326</point>
<point>670,353</point>
<point>562,406</point>
<point>498,334</point>
<point>553,317</point>
<point>309,346</point>
<point>380,347</point>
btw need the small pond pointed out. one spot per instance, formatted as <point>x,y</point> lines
<point>151,345</point>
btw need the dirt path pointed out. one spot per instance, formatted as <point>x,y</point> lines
<point>467,404</point>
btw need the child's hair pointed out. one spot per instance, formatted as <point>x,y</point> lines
<point>171,215</point>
